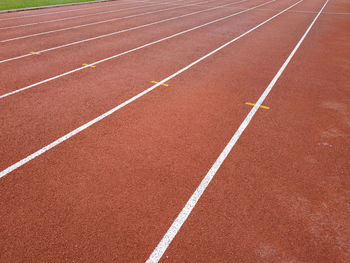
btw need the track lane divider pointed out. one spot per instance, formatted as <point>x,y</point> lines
<point>98,22</point>
<point>131,50</point>
<point>120,31</point>
<point>87,15</point>
<point>191,203</point>
<point>158,252</point>
<point>65,11</point>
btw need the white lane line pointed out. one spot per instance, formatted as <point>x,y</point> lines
<point>66,11</point>
<point>296,11</point>
<point>104,115</point>
<point>112,11</point>
<point>131,50</point>
<point>124,30</point>
<point>88,15</point>
<point>75,17</point>
<point>191,203</point>
<point>73,27</point>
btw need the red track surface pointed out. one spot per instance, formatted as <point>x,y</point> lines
<point>111,192</point>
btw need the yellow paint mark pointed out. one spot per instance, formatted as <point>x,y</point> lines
<point>261,106</point>
<point>35,53</point>
<point>91,66</point>
<point>155,82</point>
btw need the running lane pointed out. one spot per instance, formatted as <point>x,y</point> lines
<point>60,26</point>
<point>282,195</point>
<point>17,18</point>
<point>110,193</point>
<point>20,73</point>
<point>49,106</point>
<point>63,35</point>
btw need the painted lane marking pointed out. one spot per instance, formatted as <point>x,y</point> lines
<point>93,23</point>
<point>34,53</point>
<point>112,33</point>
<point>122,105</point>
<point>86,15</point>
<point>130,50</point>
<point>88,65</point>
<point>261,106</point>
<point>191,203</point>
<point>76,17</point>
<point>156,82</point>
<point>297,11</point>
<point>64,11</point>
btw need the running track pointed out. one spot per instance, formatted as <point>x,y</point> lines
<point>100,164</point>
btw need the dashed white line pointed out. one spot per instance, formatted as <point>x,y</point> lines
<point>191,203</point>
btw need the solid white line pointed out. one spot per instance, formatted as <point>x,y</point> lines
<point>75,17</point>
<point>130,50</point>
<point>75,27</point>
<point>124,30</point>
<point>139,95</point>
<point>191,203</point>
<point>65,11</point>
<point>88,15</point>
<point>296,11</point>
<point>32,8</point>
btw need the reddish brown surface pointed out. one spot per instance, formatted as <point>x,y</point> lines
<point>110,193</point>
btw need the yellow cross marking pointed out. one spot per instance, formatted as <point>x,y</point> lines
<point>155,82</point>
<point>261,106</point>
<point>35,53</point>
<point>91,66</point>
